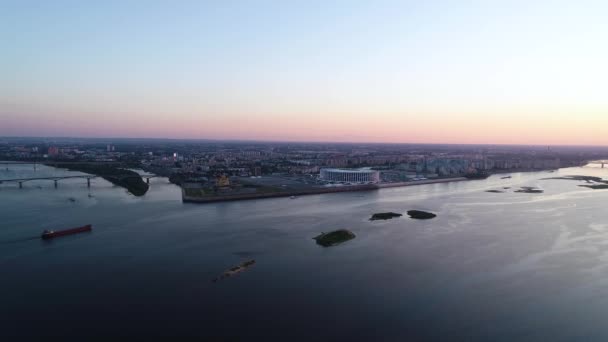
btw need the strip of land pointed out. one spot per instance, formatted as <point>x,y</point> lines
<point>127,179</point>
<point>194,193</point>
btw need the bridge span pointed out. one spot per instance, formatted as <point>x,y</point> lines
<point>56,179</point>
<point>602,162</point>
<point>7,164</point>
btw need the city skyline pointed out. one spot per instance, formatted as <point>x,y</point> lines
<point>402,72</point>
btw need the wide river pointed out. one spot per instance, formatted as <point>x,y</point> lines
<point>492,266</point>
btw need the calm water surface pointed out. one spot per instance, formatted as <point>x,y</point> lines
<point>507,266</point>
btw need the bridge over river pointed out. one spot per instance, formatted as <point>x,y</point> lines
<point>602,162</point>
<point>7,164</point>
<point>56,179</point>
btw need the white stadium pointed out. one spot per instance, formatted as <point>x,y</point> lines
<point>350,175</point>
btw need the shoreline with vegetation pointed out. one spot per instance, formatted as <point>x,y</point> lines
<point>124,178</point>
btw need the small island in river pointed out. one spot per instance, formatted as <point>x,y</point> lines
<point>495,191</point>
<point>595,183</point>
<point>420,215</point>
<point>334,238</point>
<point>588,179</point>
<point>595,186</point>
<point>529,190</point>
<point>235,270</point>
<point>384,216</point>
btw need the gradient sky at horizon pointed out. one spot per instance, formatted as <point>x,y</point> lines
<point>524,72</point>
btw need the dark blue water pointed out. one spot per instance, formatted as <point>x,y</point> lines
<point>500,267</point>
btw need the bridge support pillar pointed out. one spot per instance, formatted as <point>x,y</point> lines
<point>88,182</point>
<point>55,183</point>
<point>20,185</point>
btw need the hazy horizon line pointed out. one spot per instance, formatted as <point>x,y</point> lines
<point>292,141</point>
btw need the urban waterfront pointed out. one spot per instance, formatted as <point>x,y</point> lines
<point>499,266</point>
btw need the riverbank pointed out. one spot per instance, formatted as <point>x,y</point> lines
<point>248,196</point>
<point>349,188</point>
<point>310,191</point>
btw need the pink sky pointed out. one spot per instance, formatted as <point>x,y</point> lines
<point>427,127</point>
<point>522,72</point>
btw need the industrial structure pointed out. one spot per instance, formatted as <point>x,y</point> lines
<point>350,175</point>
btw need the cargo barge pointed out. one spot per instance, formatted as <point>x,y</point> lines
<point>49,234</point>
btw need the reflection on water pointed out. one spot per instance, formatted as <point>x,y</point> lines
<point>501,266</point>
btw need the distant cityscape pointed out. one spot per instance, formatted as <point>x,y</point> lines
<point>209,171</point>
